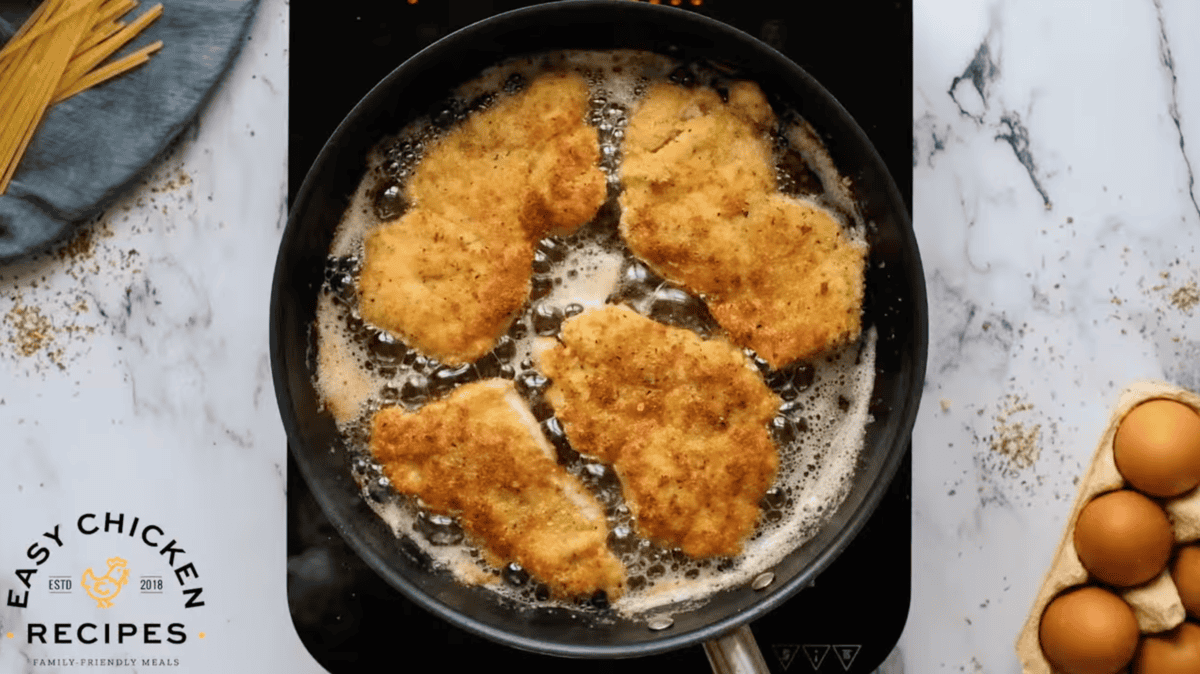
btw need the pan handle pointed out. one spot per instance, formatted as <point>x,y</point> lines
<point>736,653</point>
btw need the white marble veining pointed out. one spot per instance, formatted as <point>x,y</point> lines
<point>136,381</point>
<point>1055,153</point>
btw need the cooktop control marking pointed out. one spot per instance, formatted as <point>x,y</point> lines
<point>846,653</point>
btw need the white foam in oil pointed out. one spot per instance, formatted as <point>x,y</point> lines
<point>359,369</point>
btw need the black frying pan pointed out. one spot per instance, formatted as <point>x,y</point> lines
<point>895,304</point>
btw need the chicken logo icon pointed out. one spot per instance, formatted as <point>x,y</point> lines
<point>104,588</point>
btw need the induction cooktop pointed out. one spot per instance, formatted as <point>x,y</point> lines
<point>851,617</point>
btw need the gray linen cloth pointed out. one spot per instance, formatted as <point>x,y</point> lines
<point>93,146</point>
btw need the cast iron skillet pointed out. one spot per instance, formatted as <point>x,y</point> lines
<point>895,304</point>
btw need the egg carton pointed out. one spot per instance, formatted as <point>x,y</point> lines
<point>1156,603</point>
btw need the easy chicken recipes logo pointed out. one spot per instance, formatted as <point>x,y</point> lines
<point>119,595</point>
<point>106,588</point>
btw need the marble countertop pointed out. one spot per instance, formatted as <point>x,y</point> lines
<point>1055,202</point>
<point>136,388</point>
<point>1055,155</point>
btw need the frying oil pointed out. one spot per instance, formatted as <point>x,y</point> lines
<point>819,428</point>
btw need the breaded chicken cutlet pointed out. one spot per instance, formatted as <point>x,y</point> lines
<point>449,275</point>
<point>477,455</point>
<point>683,421</point>
<point>702,207</point>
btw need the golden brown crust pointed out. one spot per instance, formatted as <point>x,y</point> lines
<point>684,422</point>
<point>701,206</point>
<point>476,456</point>
<point>533,147</point>
<point>444,290</point>
<point>450,275</point>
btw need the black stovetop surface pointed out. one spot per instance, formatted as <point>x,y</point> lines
<point>850,619</point>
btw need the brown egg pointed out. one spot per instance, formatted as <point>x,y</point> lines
<point>1088,631</point>
<point>1185,571</point>
<point>1174,652</point>
<point>1123,538</point>
<point>1157,447</point>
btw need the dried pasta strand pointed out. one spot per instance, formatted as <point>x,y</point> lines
<point>47,57</point>
<point>20,41</point>
<point>45,74</point>
<point>34,24</point>
<point>48,63</point>
<point>15,116</point>
<point>117,9</point>
<point>106,24</point>
<point>109,71</point>
<point>88,60</point>
<point>53,56</point>
<point>101,33</point>
<point>32,20</point>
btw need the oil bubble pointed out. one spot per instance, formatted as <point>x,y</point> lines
<point>676,307</point>
<point>541,409</point>
<point>531,383</point>
<point>447,377</point>
<point>415,389</point>
<point>599,600</point>
<point>621,540</point>
<point>791,408</point>
<point>488,367</point>
<point>385,348</point>
<point>341,284</point>
<point>542,262</point>
<point>554,249</point>
<point>445,117</point>
<point>774,498</point>
<point>547,319</point>
<point>783,431</point>
<point>480,102</point>
<point>514,574</point>
<point>505,348</point>
<point>518,330</point>
<point>390,392</point>
<point>390,203</point>
<point>540,286</point>
<point>763,580</point>
<point>553,431</point>
<point>635,284</point>
<point>683,76</point>
<point>514,83</point>
<point>439,529</point>
<point>380,490</point>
